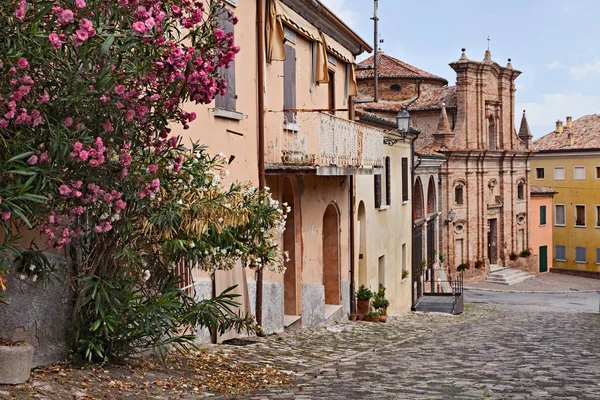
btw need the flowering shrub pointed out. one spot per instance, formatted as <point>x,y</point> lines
<point>88,92</point>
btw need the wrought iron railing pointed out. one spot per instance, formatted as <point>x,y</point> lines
<point>321,139</point>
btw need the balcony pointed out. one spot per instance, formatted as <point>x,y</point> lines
<point>321,142</point>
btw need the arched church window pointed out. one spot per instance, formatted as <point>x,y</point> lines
<point>521,190</point>
<point>459,194</point>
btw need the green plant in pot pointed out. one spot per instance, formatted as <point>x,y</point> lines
<point>478,264</point>
<point>363,297</point>
<point>462,267</point>
<point>382,314</point>
<point>405,273</point>
<point>372,316</point>
<point>513,256</point>
<point>379,300</point>
<point>525,253</point>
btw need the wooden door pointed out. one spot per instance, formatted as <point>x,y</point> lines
<point>543,258</point>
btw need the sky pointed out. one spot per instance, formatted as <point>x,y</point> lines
<point>554,43</point>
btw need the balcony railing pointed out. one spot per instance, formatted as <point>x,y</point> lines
<point>321,139</point>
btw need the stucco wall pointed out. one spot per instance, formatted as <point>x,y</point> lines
<point>541,235</point>
<point>569,193</point>
<point>387,230</point>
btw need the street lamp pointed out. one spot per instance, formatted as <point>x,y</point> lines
<point>403,120</point>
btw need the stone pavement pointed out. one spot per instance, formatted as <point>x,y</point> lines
<point>485,353</point>
<point>549,282</point>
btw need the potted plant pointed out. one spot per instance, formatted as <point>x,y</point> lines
<point>478,264</point>
<point>379,300</point>
<point>441,257</point>
<point>462,267</point>
<point>404,274</point>
<point>353,317</point>
<point>513,256</point>
<point>525,253</point>
<point>363,297</point>
<point>382,314</point>
<point>372,316</point>
<point>16,361</point>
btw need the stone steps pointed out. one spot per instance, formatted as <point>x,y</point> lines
<point>507,276</point>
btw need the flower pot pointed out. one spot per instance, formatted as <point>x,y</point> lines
<point>362,306</point>
<point>382,318</point>
<point>15,363</point>
<point>360,317</point>
<point>371,319</point>
<point>353,317</point>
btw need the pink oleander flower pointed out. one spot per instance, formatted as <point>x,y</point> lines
<point>77,146</point>
<point>68,122</point>
<point>32,160</point>
<point>43,98</point>
<point>139,27</point>
<point>20,13</point>
<point>64,190</point>
<point>108,127</point>
<point>120,89</point>
<point>119,205</point>
<point>125,159</point>
<point>156,183</point>
<point>23,63</point>
<point>81,35</point>
<point>152,168</point>
<point>80,4</point>
<point>83,155</point>
<point>55,42</point>
<point>6,216</point>
<point>65,17</point>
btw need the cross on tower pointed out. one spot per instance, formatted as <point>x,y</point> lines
<point>488,40</point>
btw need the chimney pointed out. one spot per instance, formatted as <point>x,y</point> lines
<point>559,127</point>
<point>570,138</point>
<point>569,122</point>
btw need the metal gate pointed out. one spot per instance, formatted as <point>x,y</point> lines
<point>430,253</point>
<point>417,258</point>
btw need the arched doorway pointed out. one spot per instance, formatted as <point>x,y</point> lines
<point>362,245</point>
<point>418,237</point>
<point>431,197</point>
<point>290,277</point>
<point>418,208</point>
<point>431,234</point>
<point>331,255</point>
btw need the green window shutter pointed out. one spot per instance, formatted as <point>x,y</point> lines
<point>542,215</point>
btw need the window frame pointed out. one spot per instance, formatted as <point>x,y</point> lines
<point>543,169</point>
<point>564,206</point>
<point>556,252</point>
<point>575,176</point>
<point>584,215</point>
<point>597,170</point>
<point>459,187</point>
<point>577,249</point>
<point>597,255</point>
<point>564,174</point>
<point>405,184</point>
<point>597,219</point>
<point>544,220</point>
<point>228,101</point>
<point>520,190</point>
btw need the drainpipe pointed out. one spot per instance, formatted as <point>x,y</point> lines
<point>352,250</point>
<point>376,49</point>
<point>260,54</point>
<point>412,199</point>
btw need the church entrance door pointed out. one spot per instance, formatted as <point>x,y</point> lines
<point>493,240</point>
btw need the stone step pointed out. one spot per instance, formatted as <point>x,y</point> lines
<point>496,267</point>
<point>508,277</point>
<point>333,313</point>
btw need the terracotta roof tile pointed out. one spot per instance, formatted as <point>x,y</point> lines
<point>585,132</point>
<point>541,190</point>
<point>390,67</point>
<point>429,100</point>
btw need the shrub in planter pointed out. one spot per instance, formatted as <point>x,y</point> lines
<point>405,273</point>
<point>513,256</point>
<point>363,296</point>
<point>478,264</point>
<point>525,253</point>
<point>462,267</point>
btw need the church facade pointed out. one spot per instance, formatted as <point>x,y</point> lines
<point>483,182</point>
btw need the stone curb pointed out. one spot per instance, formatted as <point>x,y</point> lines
<point>533,291</point>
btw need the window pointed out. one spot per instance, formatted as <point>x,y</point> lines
<point>404,179</point>
<point>597,172</point>
<point>579,173</point>
<point>542,215</point>
<point>559,173</point>
<point>521,191</point>
<point>289,83</point>
<point>458,194</point>
<point>597,256</point>
<point>597,216</point>
<point>381,265</point>
<point>331,90</point>
<point>559,215</point>
<point>540,173</point>
<point>561,253</point>
<point>377,190</point>
<point>580,254</point>
<point>395,88</point>
<point>579,215</point>
<point>492,132</point>
<point>228,100</point>
<point>388,181</point>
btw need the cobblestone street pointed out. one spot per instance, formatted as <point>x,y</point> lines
<point>485,353</point>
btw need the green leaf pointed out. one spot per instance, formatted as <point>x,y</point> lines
<point>20,156</point>
<point>107,43</point>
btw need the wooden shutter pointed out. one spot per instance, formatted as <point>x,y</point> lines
<point>542,215</point>
<point>404,179</point>
<point>388,181</point>
<point>580,254</point>
<point>597,256</point>
<point>289,83</point>
<point>377,191</point>
<point>227,101</point>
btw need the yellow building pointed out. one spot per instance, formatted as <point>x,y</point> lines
<point>568,161</point>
